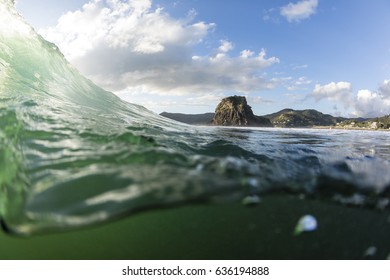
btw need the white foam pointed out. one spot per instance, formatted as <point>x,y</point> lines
<point>11,22</point>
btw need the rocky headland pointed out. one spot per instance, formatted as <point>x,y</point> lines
<point>235,111</point>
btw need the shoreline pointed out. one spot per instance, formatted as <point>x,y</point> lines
<point>348,128</point>
<point>287,118</point>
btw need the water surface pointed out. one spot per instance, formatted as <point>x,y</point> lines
<point>73,154</point>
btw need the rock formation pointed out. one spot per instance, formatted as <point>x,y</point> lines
<point>234,111</point>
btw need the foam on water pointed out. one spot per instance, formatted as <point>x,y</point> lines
<point>73,154</point>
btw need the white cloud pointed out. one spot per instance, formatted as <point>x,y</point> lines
<point>246,53</point>
<point>303,81</point>
<point>131,25</point>
<point>199,104</point>
<point>203,74</point>
<point>340,92</point>
<point>300,10</point>
<point>259,100</point>
<point>296,98</point>
<point>297,67</point>
<point>371,104</point>
<point>130,47</point>
<point>225,46</point>
<point>385,88</point>
<point>365,103</point>
<point>270,15</point>
<point>299,84</point>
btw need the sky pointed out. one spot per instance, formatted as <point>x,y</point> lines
<point>186,55</point>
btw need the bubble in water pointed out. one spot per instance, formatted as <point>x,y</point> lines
<point>252,182</point>
<point>251,200</point>
<point>370,252</point>
<point>305,223</point>
<point>382,204</point>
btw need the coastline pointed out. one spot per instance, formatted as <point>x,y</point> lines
<point>233,116</point>
<point>346,128</point>
<point>309,127</point>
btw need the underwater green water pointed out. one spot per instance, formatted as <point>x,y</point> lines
<point>223,231</point>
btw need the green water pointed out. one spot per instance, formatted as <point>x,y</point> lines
<point>73,154</point>
<point>227,231</point>
<point>88,175</point>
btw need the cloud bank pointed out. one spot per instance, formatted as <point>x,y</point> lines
<point>132,48</point>
<point>374,103</point>
<point>365,103</point>
<point>340,92</point>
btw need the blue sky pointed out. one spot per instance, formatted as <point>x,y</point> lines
<point>185,55</point>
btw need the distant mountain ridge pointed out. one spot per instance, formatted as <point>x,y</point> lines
<point>283,118</point>
<point>290,118</point>
<point>195,119</point>
<point>302,118</point>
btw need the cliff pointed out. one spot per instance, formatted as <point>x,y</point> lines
<point>234,111</point>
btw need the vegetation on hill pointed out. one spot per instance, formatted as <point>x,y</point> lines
<point>374,123</point>
<point>302,118</point>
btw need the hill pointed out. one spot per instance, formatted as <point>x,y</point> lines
<point>302,118</point>
<point>195,119</point>
<point>373,123</point>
